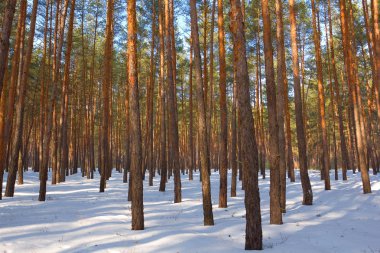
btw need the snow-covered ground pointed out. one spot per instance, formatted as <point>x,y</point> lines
<point>77,218</point>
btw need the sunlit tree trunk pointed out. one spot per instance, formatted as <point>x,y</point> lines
<point>65,96</point>
<point>321,97</point>
<point>253,230</point>
<point>301,140</point>
<point>173,124</point>
<point>349,62</point>
<point>19,120</point>
<point>223,109</point>
<point>149,110</point>
<point>191,120</point>
<point>6,29</point>
<point>136,152</point>
<point>275,209</point>
<point>281,94</point>
<point>208,218</point>
<point>6,126</point>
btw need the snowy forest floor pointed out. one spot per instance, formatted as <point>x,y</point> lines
<point>77,218</point>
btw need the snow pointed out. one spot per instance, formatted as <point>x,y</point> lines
<point>77,218</point>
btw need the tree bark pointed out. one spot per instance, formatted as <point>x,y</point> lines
<point>136,153</point>
<point>223,109</point>
<point>163,160</point>
<point>281,94</point>
<point>274,156</point>
<point>321,98</point>
<point>173,124</point>
<point>107,81</point>
<point>253,230</point>
<point>19,121</point>
<point>208,218</point>
<point>4,38</point>
<point>349,62</point>
<point>301,140</point>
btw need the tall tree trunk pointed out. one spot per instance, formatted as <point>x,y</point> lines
<point>65,97</point>
<point>58,44</point>
<point>233,156</point>
<point>332,102</point>
<point>149,110</point>
<point>253,230</point>
<point>163,161</point>
<point>321,97</point>
<point>19,125</point>
<point>210,104</point>
<point>223,109</point>
<point>281,94</point>
<point>5,34</point>
<point>6,126</point>
<point>376,30</point>
<point>349,62</point>
<point>301,140</point>
<point>343,145</point>
<point>136,153</point>
<point>208,218</point>
<point>107,82</point>
<point>173,124</point>
<point>191,120</point>
<point>275,209</point>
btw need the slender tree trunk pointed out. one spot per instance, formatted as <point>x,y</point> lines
<point>275,209</point>
<point>19,125</point>
<point>65,97</point>
<point>233,157</point>
<point>173,124</point>
<point>149,110</point>
<point>321,98</point>
<point>5,34</point>
<point>163,161</point>
<point>349,62</point>
<point>343,145</point>
<point>223,109</point>
<point>301,140</point>
<point>136,153</point>
<point>210,105</point>
<point>332,102</point>
<point>191,121</point>
<point>253,230</point>
<point>107,81</point>
<point>281,94</point>
<point>376,30</point>
<point>208,218</point>
<point>59,34</point>
<point>6,126</point>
